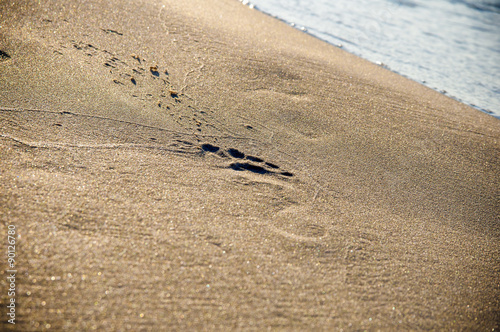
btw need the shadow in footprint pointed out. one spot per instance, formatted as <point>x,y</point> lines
<point>4,55</point>
<point>256,159</point>
<point>249,167</point>
<point>236,154</point>
<point>210,148</point>
<point>154,71</point>
<point>272,165</point>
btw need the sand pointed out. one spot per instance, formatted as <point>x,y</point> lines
<point>174,166</point>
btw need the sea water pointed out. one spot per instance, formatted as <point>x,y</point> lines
<point>452,46</point>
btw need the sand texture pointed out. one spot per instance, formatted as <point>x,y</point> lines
<point>198,165</point>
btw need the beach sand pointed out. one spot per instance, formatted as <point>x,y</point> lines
<point>198,165</point>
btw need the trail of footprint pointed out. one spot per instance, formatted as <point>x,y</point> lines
<point>151,86</point>
<point>147,82</point>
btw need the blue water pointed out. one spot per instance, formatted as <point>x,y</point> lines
<point>452,46</point>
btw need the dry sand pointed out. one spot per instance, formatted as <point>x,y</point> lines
<point>198,165</point>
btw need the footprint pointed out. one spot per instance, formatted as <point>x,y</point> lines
<point>302,223</point>
<point>256,165</point>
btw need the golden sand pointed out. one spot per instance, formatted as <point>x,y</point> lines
<point>198,165</point>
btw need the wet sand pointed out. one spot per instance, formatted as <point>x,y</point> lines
<point>202,166</point>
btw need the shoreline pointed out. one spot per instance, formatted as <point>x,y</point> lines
<point>170,165</point>
<point>383,65</point>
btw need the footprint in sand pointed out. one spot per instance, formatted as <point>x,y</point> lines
<point>248,163</point>
<point>308,225</point>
